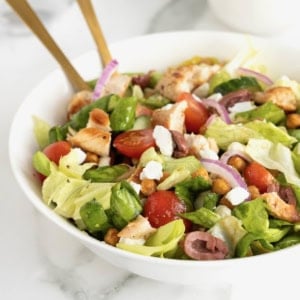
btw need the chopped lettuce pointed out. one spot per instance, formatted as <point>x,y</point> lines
<point>253,215</point>
<point>124,204</point>
<point>271,132</point>
<point>177,176</point>
<point>189,189</point>
<point>274,156</point>
<point>190,163</point>
<point>230,230</point>
<point>41,131</point>
<point>107,173</point>
<point>71,166</point>
<point>203,217</point>
<point>268,111</point>
<point>94,217</point>
<point>225,134</point>
<point>62,190</point>
<point>41,163</point>
<point>163,242</point>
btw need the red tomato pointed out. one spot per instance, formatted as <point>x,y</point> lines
<point>256,174</point>
<point>162,207</point>
<point>56,150</point>
<point>133,143</point>
<point>196,114</point>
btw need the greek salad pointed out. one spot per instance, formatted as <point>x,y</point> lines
<point>200,161</point>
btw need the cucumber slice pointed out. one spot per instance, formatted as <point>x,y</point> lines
<point>142,122</point>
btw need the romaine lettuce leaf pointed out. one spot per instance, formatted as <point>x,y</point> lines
<point>253,215</point>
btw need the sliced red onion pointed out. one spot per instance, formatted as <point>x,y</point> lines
<point>229,153</point>
<point>221,110</point>
<point>259,76</point>
<point>227,172</point>
<point>104,78</point>
<point>209,120</point>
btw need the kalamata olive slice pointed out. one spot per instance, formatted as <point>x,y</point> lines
<point>201,245</point>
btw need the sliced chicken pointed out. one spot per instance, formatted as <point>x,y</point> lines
<point>78,101</point>
<point>185,79</point>
<point>170,116</point>
<point>279,208</point>
<point>92,140</point>
<point>139,228</point>
<point>117,84</point>
<point>98,118</point>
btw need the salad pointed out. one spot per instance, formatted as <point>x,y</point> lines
<point>200,161</point>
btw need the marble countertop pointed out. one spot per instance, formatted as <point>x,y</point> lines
<point>38,261</point>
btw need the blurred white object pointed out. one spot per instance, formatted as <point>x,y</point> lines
<point>11,23</point>
<point>256,16</point>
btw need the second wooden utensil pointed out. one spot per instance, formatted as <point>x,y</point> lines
<point>95,28</point>
<point>24,10</point>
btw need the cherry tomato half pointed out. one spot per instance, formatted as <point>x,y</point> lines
<point>256,174</point>
<point>162,207</point>
<point>133,143</point>
<point>196,114</point>
<point>56,150</point>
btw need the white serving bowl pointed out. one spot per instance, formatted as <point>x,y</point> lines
<point>49,99</point>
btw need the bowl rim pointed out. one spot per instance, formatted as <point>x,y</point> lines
<point>82,236</point>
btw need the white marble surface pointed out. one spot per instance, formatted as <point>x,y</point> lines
<point>38,261</point>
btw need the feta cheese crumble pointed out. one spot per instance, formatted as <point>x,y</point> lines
<point>237,195</point>
<point>152,170</point>
<point>163,140</point>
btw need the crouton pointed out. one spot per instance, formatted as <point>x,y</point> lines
<point>282,96</point>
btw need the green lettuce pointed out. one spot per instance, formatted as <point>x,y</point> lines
<point>253,215</point>
<point>274,156</point>
<point>271,132</point>
<point>203,217</point>
<point>225,134</point>
<point>230,230</point>
<point>268,111</point>
<point>164,242</point>
<point>41,131</point>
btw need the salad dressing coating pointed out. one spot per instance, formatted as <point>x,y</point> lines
<point>152,168</point>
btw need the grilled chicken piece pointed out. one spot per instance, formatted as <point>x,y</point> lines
<point>170,116</point>
<point>98,118</point>
<point>117,84</point>
<point>282,96</point>
<point>78,101</point>
<point>279,208</point>
<point>139,228</point>
<point>92,140</point>
<point>184,79</point>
